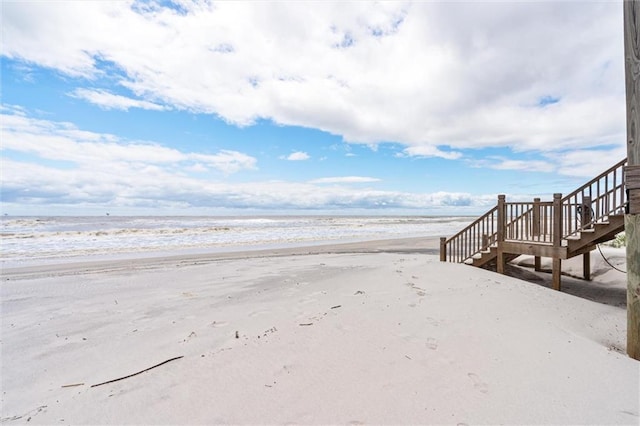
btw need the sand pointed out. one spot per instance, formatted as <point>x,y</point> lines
<point>365,333</point>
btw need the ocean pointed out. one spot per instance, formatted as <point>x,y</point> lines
<point>25,240</point>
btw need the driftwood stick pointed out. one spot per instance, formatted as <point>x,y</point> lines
<point>139,372</point>
<point>72,385</point>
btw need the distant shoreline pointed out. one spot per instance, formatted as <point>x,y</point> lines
<point>146,260</point>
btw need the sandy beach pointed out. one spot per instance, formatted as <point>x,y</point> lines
<point>378,332</point>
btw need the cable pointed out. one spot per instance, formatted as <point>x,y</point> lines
<point>609,263</point>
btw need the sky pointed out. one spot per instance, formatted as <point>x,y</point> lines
<point>212,108</point>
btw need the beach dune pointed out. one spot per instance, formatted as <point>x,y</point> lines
<point>366,333</point>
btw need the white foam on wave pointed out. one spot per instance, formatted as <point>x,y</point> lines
<point>31,239</point>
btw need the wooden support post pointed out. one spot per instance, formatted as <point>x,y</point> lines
<point>586,266</point>
<point>485,242</point>
<point>537,265</point>
<point>557,239</point>
<point>502,223</point>
<point>586,219</point>
<point>556,273</point>
<point>535,231</point>
<point>443,249</point>
<point>632,181</point>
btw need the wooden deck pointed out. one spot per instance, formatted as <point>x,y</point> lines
<point>563,228</point>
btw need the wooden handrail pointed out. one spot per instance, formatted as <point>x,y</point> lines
<point>600,197</point>
<point>475,222</point>
<point>619,164</point>
<point>471,240</point>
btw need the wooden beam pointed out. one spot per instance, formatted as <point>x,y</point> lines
<point>443,249</point>
<point>533,249</point>
<point>632,219</point>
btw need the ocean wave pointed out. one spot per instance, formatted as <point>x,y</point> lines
<point>68,237</point>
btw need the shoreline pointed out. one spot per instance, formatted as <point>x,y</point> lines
<point>144,260</point>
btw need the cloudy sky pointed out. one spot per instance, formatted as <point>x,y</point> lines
<point>199,107</point>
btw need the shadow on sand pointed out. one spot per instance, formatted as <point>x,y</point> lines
<point>607,285</point>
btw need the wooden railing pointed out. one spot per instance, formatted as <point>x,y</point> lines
<point>541,222</point>
<point>529,221</point>
<point>478,236</point>
<point>594,201</point>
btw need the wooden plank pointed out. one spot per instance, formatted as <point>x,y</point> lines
<point>632,220</point>
<point>533,249</point>
<point>632,182</point>
<point>634,201</point>
<point>583,250</point>
<point>632,176</point>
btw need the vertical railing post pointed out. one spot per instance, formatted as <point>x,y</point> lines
<point>502,223</point>
<point>502,220</point>
<point>586,217</point>
<point>443,249</point>
<point>536,230</point>
<point>585,221</point>
<point>557,220</point>
<point>557,240</point>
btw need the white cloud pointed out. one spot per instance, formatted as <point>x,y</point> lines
<point>97,151</point>
<point>297,156</point>
<point>589,163</point>
<point>345,179</point>
<point>429,151</point>
<point>47,164</point>
<point>108,100</point>
<point>522,165</point>
<point>428,75</point>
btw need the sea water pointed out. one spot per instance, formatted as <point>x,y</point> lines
<point>27,239</point>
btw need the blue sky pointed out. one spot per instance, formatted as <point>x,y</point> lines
<point>198,107</point>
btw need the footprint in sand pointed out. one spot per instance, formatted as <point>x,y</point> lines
<point>432,321</point>
<point>219,324</point>
<point>478,384</point>
<point>432,343</point>
<point>190,336</point>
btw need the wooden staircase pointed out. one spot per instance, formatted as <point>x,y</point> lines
<point>566,227</point>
